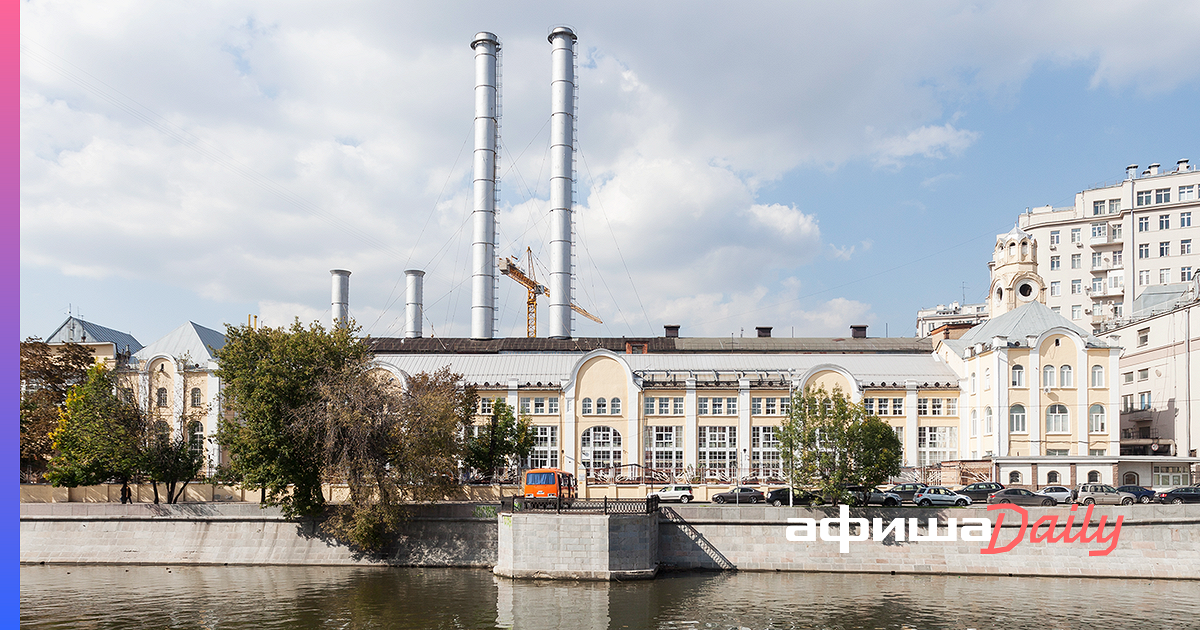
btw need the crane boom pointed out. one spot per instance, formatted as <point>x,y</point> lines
<point>509,267</point>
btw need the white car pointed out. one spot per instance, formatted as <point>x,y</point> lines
<point>1062,494</point>
<point>939,495</point>
<point>682,494</point>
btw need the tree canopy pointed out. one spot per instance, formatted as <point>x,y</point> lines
<point>47,373</point>
<point>504,439</point>
<point>829,442</point>
<point>99,436</point>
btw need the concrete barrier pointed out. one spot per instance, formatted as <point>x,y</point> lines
<point>577,546</point>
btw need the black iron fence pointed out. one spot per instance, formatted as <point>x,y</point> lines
<point>605,505</point>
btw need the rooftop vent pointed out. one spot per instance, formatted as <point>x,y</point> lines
<point>1153,168</point>
<point>1131,171</point>
<point>1181,165</point>
<point>763,331</point>
<point>671,330</point>
<point>858,331</point>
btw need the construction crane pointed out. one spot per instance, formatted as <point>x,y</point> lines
<point>509,267</point>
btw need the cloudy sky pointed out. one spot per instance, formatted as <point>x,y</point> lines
<point>802,166</point>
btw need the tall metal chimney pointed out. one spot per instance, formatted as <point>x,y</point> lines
<point>413,302</point>
<point>340,303</point>
<point>483,246</point>
<point>562,156</point>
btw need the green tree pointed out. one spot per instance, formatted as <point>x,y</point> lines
<point>829,442</point>
<point>504,438</point>
<point>269,374</point>
<point>99,435</point>
<point>47,373</point>
<point>173,461</point>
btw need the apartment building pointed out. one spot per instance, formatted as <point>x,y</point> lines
<point>930,319</point>
<point>1098,255</point>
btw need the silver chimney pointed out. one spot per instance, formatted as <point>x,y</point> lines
<point>340,303</point>
<point>483,246</point>
<point>413,302</point>
<point>562,155</point>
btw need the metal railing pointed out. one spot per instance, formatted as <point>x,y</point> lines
<point>605,505</point>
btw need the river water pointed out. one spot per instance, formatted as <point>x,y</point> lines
<point>262,598</point>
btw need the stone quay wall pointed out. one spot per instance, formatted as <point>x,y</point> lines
<point>578,546</point>
<point>1156,541</point>
<point>441,535</point>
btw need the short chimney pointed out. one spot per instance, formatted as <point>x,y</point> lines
<point>763,331</point>
<point>1131,171</point>
<point>671,330</point>
<point>1181,165</point>
<point>1153,168</point>
<point>858,331</point>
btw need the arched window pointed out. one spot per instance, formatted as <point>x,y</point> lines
<point>987,379</point>
<point>973,383</point>
<point>1093,476</point>
<point>1016,419</point>
<point>1097,376</point>
<point>196,401</point>
<point>160,397</point>
<point>587,406</point>
<point>196,437</point>
<point>614,406</point>
<point>1024,250</point>
<point>1048,376</point>
<point>601,447</point>
<point>1130,479</point>
<point>974,423</point>
<point>601,406</point>
<point>987,420</point>
<point>1067,379</point>
<point>1057,420</point>
<point>1096,418</point>
<point>1052,477</point>
<point>1014,477</point>
<point>1018,376</point>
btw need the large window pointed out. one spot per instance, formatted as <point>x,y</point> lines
<point>764,453</point>
<point>601,407</point>
<point>974,423</point>
<point>197,398</point>
<point>1055,263</point>
<point>160,397</point>
<point>663,406</point>
<point>1097,376</point>
<point>1055,288</point>
<point>1066,377</point>
<point>601,447</point>
<point>1164,249</point>
<point>988,426</point>
<point>545,448</point>
<point>1143,199</point>
<point>1164,221</point>
<point>1096,419</point>
<point>1162,195</point>
<point>1143,223</point>
<point>1144,250</point>
<point>614,406</point>
<point>1185,218</point>
<point>1076,287</point>
<point>1016,419</point>
<point>718,450</point>
<point>716,406</point>
<point>1057,420</point>
<point>196,437</point>
<point>586,406</point>
<point>1185,246</point>
<point>936,444</point>
<point>1048,376</point>
<point>1077,261</point>
<point>664,448</point>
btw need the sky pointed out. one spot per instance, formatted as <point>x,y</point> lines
<point>803,166</point>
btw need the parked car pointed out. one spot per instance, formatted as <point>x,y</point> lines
<point>682,494</point>
<point>1185,494</point>
<point>741,494</point>
<point>1021,496</point>
<point>981,490</point>
<point>906,491</point>
<point>1062,494</point>
<point>1090,493</point>
<point>860,495</point>
<point>782,496</point>
<point>939,495</point>
<point>1144,495</point>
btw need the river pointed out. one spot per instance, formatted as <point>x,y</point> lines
<point>263,598</point>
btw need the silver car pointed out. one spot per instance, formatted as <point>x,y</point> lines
<point>1061,494</point>
<point>1090,493</point>
<point>680,493</point>
<point>940,495</point>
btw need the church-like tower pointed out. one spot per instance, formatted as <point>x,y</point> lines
<point>1015,280</point>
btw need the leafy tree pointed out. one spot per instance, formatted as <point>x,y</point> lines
<point>172,461</point>
<point>828,442</point>
<point>504,438</point>
<point>99,436</point>
<point>269,374</point>
<point>386,442</point>
<point>47,373</point>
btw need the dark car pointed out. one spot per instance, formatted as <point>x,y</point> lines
<point>906,490</point>
<point>1186,494</point>
<point>783,496</point>
<point>1144,495</point>
<point>1021,496</point>
<point>980,491</point>
<point>859,495</point>
<point>741,494</point>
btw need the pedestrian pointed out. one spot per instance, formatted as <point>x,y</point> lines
<point>126,494</point>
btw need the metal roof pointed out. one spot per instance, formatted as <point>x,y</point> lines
<point>79,331</point>
<point>1030,320</point>
<point>189,340</point>
<point>654,345</point>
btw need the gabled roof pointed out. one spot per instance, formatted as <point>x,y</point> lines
<point>191,340</point>
<point>1017,232</point>
<point>79,331</point>
<point>1030,320</point>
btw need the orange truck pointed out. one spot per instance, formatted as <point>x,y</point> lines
<point>546,486</point>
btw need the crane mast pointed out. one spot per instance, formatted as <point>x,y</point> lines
<point>509,267</point>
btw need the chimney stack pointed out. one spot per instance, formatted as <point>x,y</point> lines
<point>483,217</point>
<point>562,177</point>
<point>1153,168</point>
<point>858,331</point>
<point>763,331</point>
<point>414,308</point>
<point>671,330</point>
<point>1181,166</point>
<point>340,303</point>
<point>1131,171</point>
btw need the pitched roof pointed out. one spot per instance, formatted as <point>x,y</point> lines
<point>189,340</point>
<point>80,331</point>
<point>656,345</point>
<point>1029,320</point>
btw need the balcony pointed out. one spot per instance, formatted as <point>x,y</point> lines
<point>1104,292</point>
<point>1097,241</point>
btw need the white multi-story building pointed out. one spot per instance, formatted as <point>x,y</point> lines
<point>1099,254</point>
<point>930,319</point>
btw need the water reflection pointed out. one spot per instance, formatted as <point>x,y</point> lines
<point>263,598</point>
